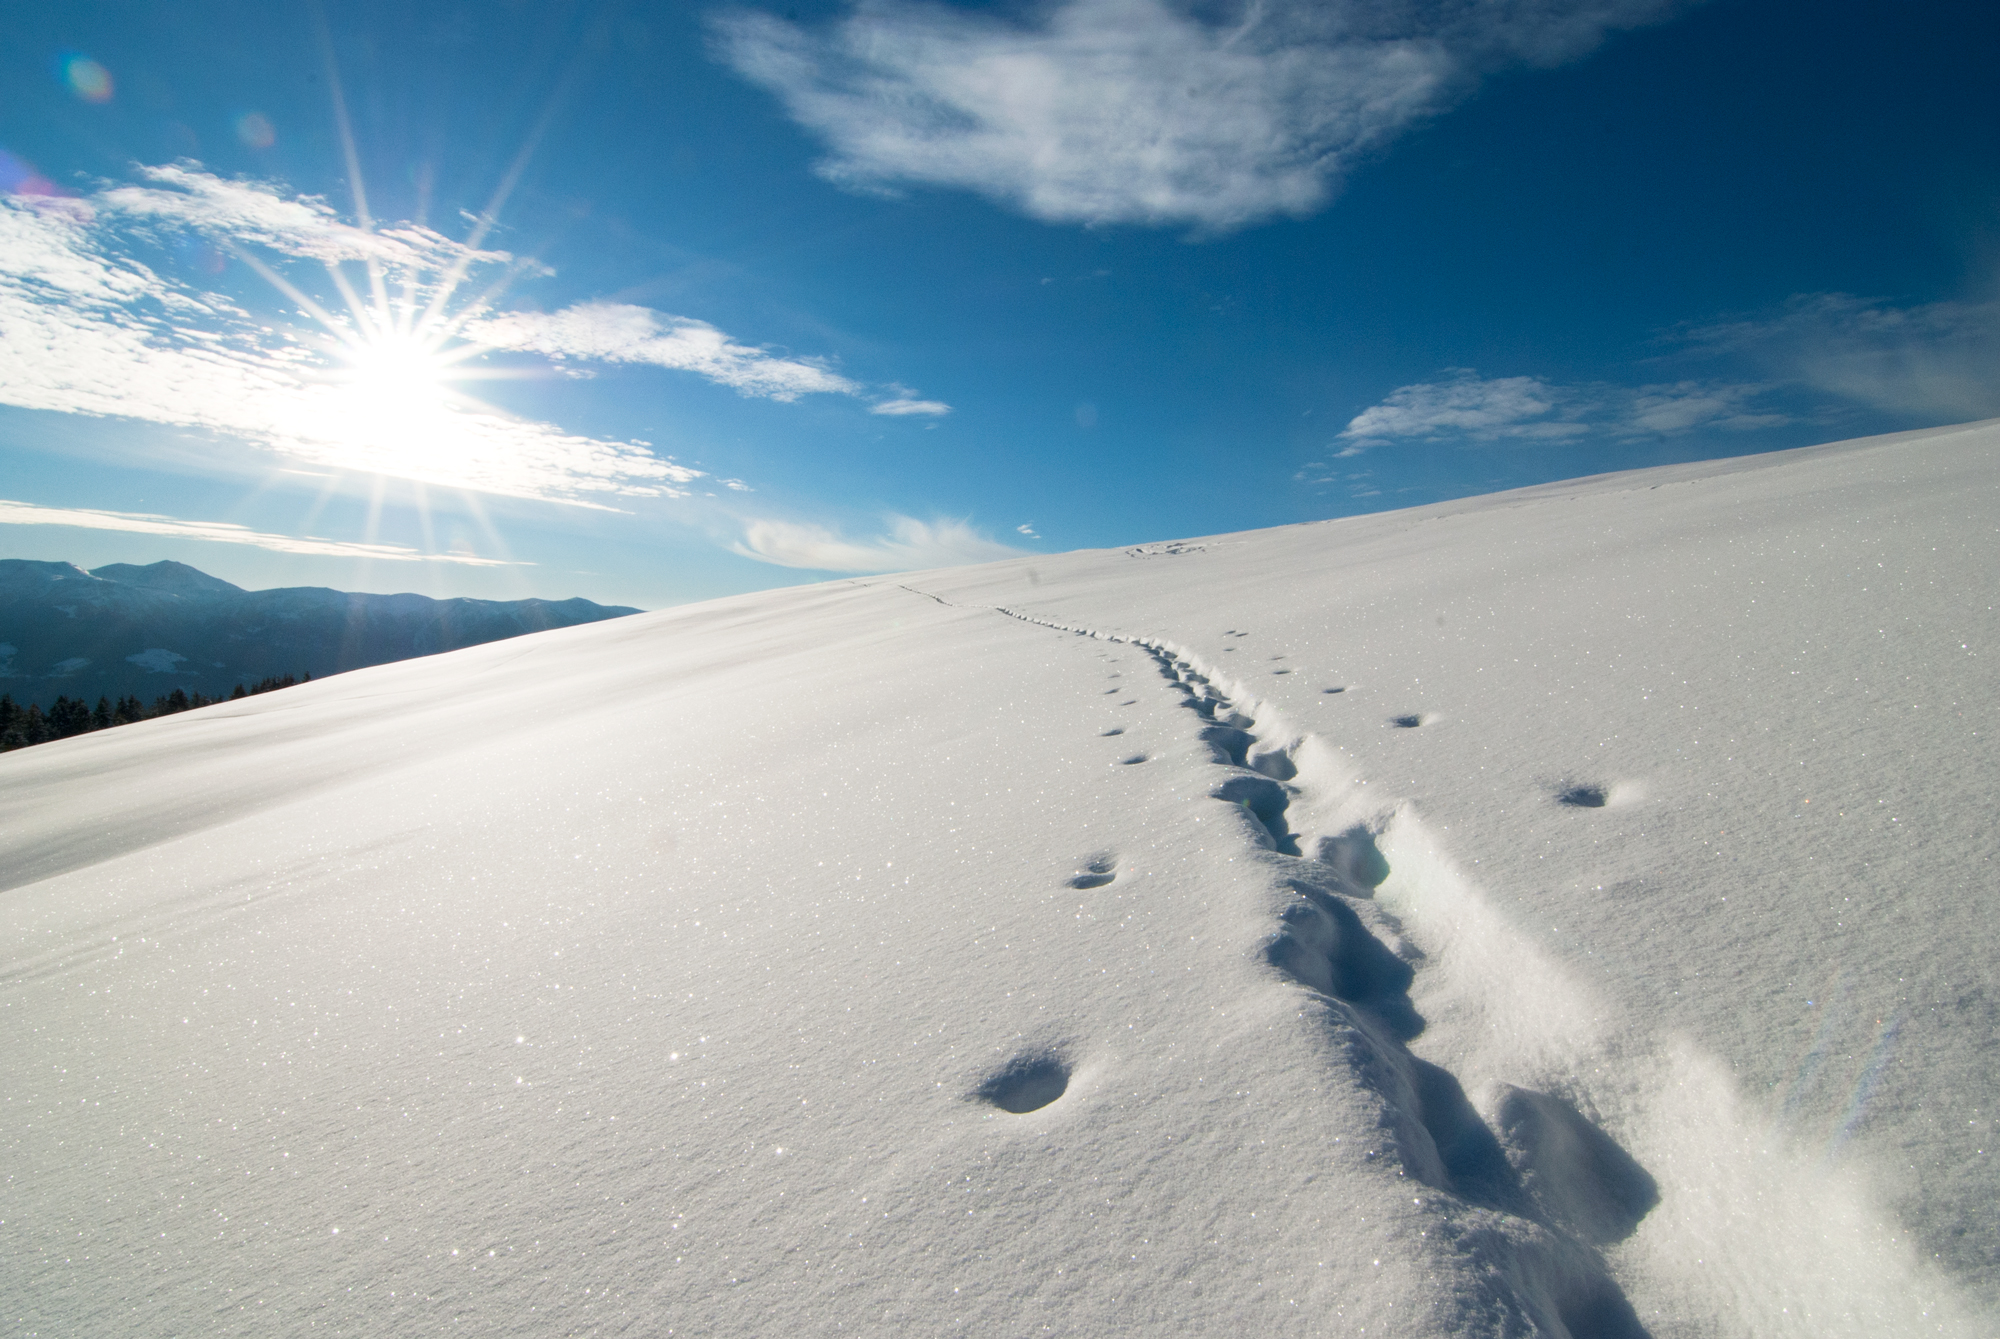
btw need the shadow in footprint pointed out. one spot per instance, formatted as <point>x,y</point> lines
<point>1355,857</point>
<point>1406,722</point>
<point>1264,800</point>
<point>1324,945</point>
<point>1576,1174</point>
<point>1114,730</point>
<point>1583,797</point>
<point>1474,1163</point>
<point>1228,745</point>
<point>1027,1083</point>
<point>1096,872</point>
<point>1276,764</point>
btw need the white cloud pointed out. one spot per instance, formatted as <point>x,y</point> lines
<point>1028,530</point>
<point>909,545</point>
<point>258,214</point>
<point>1936,359</point>
<point>226,532</point>
<point>905,405</point>
<point>1465,405</point>
<point>618,333</point>
<point>1468,407</point>
<point>1144,111</point>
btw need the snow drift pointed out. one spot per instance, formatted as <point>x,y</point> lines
<point>1564,912</point>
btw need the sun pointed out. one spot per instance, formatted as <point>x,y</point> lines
<point>394,373</point>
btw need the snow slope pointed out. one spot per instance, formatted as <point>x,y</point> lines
<point>1048,947</point>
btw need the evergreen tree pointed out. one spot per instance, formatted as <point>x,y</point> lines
<point>68,717</point>
<point>100,719</point>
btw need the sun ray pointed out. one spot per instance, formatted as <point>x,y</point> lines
<point>490,216</point>
<point>342,125</point>
<point>352,298</point>
<point>283,285</point>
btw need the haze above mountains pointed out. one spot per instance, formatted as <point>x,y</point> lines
<point>145,631</point>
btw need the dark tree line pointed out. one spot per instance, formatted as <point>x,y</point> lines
<point>21,726</point>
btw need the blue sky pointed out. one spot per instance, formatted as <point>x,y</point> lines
<point>649,304</point>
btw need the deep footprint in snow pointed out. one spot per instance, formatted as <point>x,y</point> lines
<point>1096,872</point>
<point>1583,796</point>
<point>1409,722</point>
<point>1027,1083</point>
<point>1114,730</point>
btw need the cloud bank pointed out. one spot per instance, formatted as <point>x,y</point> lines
<point>909,545</point>
<point>1144,111</point>
<point>227,532</point>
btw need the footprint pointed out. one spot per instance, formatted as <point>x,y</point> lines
<point>1134,760</point>
<point>1355,857</point>
<point>1281,671</point>
<point>1576,1173</point>
<point>1341,689</point>
<point>1263,800</point>
<point>1583,796</point>
<point>1114,730</point>
<point>1410,722</point>
<point>1027,1083</point>
<point>1097,871</point>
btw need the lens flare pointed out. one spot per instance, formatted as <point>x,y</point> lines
<point>19,177</point>
<point>87,79</point>
<point>255,129</point>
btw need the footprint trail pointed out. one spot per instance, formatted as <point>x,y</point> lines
<point>1529,1198</point>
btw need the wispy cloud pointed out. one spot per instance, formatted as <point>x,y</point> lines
<point>255,214</point>
<point>908,405</point>
<point>908,545</point>
<point>227,532</point>
<point>615,332</point>
<point>1935,359</point>
<point>1143,111</point>
<point>373,383</point>
<point>1467,407</point>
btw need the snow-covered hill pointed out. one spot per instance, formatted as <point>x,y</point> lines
<point>1569,911</point>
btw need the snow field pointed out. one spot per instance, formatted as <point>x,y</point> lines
<point>1330,930</point>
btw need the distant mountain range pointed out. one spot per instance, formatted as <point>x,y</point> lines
<point>149,630</point>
